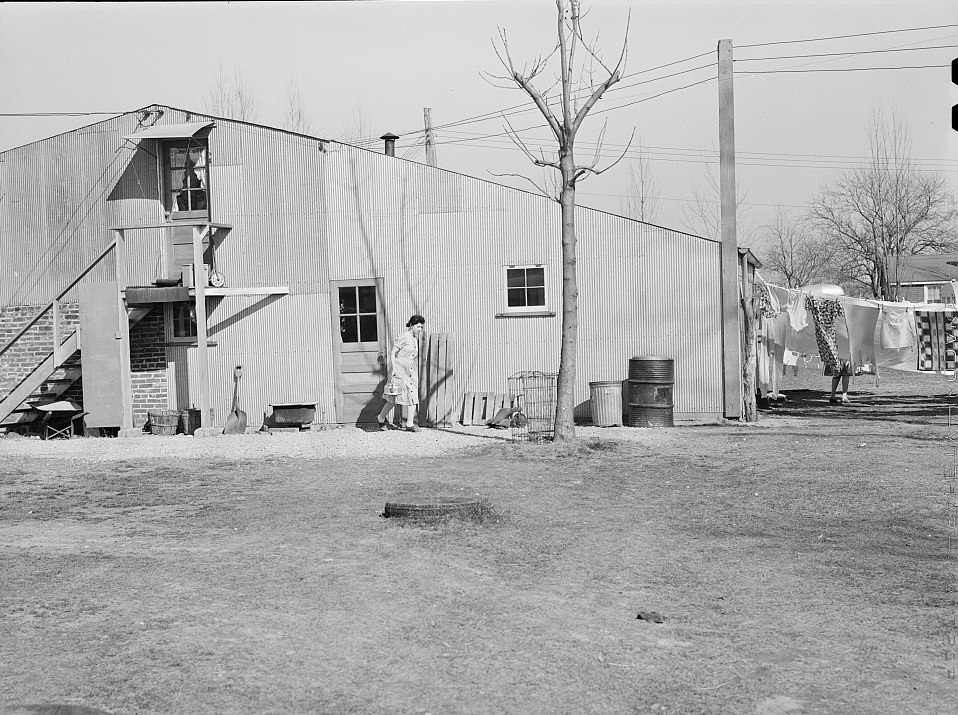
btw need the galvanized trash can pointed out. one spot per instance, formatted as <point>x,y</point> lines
<point>606,401</point>
<point>651,379</point>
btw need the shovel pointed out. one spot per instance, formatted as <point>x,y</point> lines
<point>236,422</point>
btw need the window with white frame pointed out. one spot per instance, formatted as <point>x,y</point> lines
<point>181,322</point>
<point>525,288</point>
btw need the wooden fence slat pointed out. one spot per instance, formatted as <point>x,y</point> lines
<point>478,408</point>
<point>467,407</point>
<point>443,415</point>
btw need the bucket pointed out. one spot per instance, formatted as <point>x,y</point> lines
<point>164,422</point>
<point>189,421</point>
<point>606,401</point>
<point>651,380</point>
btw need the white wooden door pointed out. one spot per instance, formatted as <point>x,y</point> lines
<point>360,348</point>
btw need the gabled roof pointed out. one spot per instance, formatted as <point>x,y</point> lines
<point>928,268</point>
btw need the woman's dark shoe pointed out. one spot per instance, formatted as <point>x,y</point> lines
<point>383,425</point>
<point>412,428</point>
<point>834,400</point>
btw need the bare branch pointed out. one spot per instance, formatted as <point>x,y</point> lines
<point>540,189</point>
<point>514,136</point>
<point>583,170</point>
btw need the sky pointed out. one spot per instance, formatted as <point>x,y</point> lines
<point>366,68</point>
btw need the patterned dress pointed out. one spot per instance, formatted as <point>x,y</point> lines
<point>826,312</point>
<point>402,387</point>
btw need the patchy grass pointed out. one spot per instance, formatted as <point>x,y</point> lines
<point>801,565</point>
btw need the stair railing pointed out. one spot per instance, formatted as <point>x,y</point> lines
<point>55,306</point>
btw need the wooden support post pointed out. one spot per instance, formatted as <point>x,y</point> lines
<point>123,335</point>
<point>202,338</point>
<point>56,333</point>
<point>430,137</point>
<point>731,335</point>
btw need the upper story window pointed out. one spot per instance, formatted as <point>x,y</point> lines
<point>187,178</point>
<point>525,288</point>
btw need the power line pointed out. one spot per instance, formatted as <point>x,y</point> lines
<point>753,161</point>
<point>57,114</point>
<point>699,153</point>
<point>846,69</point>
<point>843,37</point>
<point>845,54</point>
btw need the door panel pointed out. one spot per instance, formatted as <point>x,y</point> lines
<point>359,349</point>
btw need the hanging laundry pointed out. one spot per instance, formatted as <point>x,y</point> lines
<point>897,327</point>
<point>760,291</point>
<point>797,312</point>
<point>860,319</point>
<point>779,297</point>
<point>825,314</point>
<point>937,336</point>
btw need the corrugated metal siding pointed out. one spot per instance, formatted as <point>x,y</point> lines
<point>643,289</point>
<point>62,194</point>
<point>305,212</point>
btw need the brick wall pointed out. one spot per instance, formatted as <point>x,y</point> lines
<point>147,355</point>
<point>32,348</point>
<point>148,366</point>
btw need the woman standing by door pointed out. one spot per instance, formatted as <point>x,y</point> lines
<point>402,387</point>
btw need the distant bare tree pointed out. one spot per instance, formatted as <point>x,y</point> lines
<point>886,210</point>
<point>581,82</point>
<point>296,118</point>
<point>231,97</point>
<point>642,201</point>
<point>703,214</point>
<point>796,254</point>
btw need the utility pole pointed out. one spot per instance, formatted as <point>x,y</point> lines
<point>430,137</point>
<point>731,334</point>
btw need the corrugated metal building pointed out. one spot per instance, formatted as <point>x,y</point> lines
<point>322,251</point>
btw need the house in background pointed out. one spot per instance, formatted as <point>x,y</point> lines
<point>144,257</point>
<point>926,278</point>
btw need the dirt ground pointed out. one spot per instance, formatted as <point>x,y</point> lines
<point>801,565</point>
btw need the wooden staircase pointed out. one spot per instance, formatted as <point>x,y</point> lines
<point>44,385</point>
<point>53,376</point>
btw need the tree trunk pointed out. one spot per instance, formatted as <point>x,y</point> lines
<point>565,423</point>
<point>748,369</point>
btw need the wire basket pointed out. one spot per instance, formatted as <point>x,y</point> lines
<point>533,397</point>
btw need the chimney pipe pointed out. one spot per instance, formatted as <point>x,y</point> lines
<point>390,140</point>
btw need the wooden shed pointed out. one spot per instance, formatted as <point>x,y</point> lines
<point>153,252</point>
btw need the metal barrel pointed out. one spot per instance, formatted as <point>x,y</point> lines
<point>605,397</point>
<point>651,380</point>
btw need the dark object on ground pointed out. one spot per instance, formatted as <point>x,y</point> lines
<point>430,507</point>
<point>508,417</point>
<point>236,422</point>
<point>650,616</point>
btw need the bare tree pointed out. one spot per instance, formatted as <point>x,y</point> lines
<point>642,201</point>
<point>296,118</point>
<point>581,82</point>
<point>886,210</point>
<point>795,254</point>
<point>231,97</point>
<point>703,214</point>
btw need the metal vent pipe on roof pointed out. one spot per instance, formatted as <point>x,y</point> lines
<point>390,140</point>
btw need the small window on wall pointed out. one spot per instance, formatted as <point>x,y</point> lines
<point>183,321</point>
<point>525,288</point>
<point>357,314</point>
<point>187,178</point>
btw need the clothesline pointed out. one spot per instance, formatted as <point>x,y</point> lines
<point>867,333</point>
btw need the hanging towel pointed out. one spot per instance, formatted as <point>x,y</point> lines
<point>937,335</point>
<point>826,314</point>
<point>860,319</point>
<point>897,327</point>
<point>780,297</point>
<point>797,312</point>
